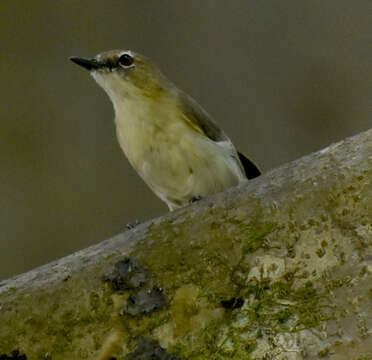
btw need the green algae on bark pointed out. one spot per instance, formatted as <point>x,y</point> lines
<point>294,247</point>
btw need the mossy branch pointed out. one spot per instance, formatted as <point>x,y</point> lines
<point>277,268</point>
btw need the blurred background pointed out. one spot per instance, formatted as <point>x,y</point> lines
<point>283,78</point>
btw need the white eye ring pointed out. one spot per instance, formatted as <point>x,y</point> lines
<point>126,61</point>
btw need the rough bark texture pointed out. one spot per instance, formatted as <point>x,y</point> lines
<point>277,268</point>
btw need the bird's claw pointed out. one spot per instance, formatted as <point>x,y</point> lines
<point>132,225</point>
<point>195,199</point>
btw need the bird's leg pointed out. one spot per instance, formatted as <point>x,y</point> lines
<point>195,199</point>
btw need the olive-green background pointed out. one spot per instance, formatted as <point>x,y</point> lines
<point>283,78</point>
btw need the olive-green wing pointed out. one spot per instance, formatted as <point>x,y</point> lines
<point>198,119</point>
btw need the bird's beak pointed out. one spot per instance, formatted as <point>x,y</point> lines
<point>88,63</point>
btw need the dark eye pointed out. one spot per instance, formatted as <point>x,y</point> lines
<point>125,60</point>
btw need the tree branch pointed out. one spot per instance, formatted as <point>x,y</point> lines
<point>277,268</point>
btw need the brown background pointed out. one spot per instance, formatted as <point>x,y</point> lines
<point>283,78</point>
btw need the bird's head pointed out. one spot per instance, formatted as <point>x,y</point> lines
<point>124,74</point>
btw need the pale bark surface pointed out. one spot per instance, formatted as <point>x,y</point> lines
<point>278,268</point>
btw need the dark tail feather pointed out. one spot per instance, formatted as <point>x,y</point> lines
<point>251,170</point>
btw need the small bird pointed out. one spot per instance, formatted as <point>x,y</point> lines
<point>169,139</point>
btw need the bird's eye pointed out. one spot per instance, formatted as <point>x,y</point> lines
<point>125,60</point>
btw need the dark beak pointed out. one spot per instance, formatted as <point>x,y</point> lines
<point>90,64</point>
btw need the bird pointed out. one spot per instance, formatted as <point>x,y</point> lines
<point>169,139</point>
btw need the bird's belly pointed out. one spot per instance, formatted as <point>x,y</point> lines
<point>178,172</point>
<point>176,162</point>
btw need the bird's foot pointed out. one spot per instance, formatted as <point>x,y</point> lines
<point>132,225</point>
<point>195,199</point>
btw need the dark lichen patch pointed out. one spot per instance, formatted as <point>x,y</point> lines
<point>127,274</point>
<point>150,349</point>
<point>233,303</point>
<point>15,355</point>
<point>144,301</point>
